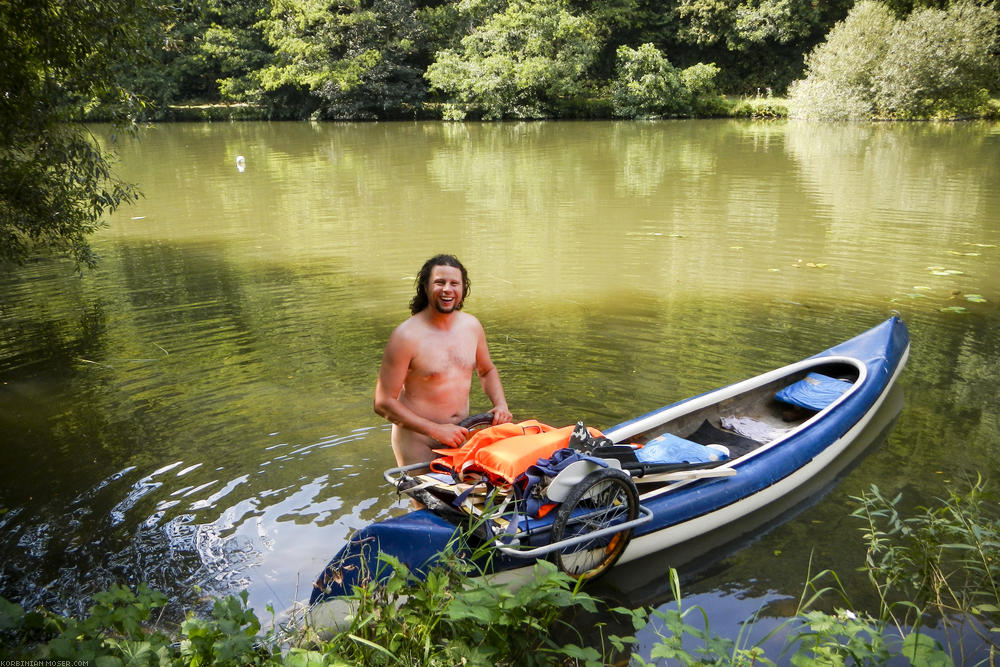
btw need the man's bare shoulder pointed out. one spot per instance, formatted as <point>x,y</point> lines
<point>467,319</point>
<point>408,330</point>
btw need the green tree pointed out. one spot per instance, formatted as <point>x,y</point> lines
<point>362,59</point>
<point>530,61</point>
<point>757,43</point>
<point>839,82</point>
<point>744,24</point>
<point>206,51</point>
<point>235,45</point>
<point>934,63</point>
<point>939,63</point>
<point>648,86</point>
<point>60,59</point>
<point>173,68</point>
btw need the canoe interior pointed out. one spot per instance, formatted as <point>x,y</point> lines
<point>707,424</point>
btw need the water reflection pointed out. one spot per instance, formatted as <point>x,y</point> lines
<point>197,412</point>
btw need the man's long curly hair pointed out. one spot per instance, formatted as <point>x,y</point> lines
<point>420,299</point>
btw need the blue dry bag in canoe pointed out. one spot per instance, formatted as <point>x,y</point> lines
<point>669,448</point>
<point>814,392</point>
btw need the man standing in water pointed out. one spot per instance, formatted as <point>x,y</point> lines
<point>426,374</point>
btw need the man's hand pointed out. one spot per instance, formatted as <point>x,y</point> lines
<point>450,435</point>
<point>501,414</point>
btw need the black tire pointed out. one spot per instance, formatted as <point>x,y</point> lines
<point>603,498</point>
<point>476,422</point>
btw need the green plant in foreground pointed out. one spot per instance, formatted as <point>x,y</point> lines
<point>944,560</point>
<point>120,629</point>
<point>710,650</point>
<point>940,563</point>
<point>451,618</point>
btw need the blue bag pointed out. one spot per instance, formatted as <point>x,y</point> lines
<point>669,448</point>
<point>814,392</point>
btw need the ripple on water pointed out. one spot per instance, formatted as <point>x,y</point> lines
<point>188,524</point>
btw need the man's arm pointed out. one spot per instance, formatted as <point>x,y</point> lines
<point>489,378</point>
<point>391,376</point>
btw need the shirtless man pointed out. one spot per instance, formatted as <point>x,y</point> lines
<point>426,374</point>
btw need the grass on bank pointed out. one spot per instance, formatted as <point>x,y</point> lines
<point>757,107</point>
<point>938,566</point>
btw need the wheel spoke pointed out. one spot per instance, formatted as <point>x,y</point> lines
<point>604,498</point>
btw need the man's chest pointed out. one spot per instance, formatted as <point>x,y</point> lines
<point>444,354</point>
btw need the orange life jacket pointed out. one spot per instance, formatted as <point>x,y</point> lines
<point>504,451</point>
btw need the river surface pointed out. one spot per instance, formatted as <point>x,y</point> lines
<point>196,412</point>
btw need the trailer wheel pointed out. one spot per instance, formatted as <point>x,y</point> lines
<point>477,422</point>
<point>605,497</point>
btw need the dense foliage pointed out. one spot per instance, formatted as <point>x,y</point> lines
<point>941,564</point>
<point>497,59</point>
<point>60,58</point>
<point>468,58</point>
<point>646,85</point>
<point>530,60</point>
<point>933,63</point>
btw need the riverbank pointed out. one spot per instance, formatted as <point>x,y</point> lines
<point>761,107</point>
<point>758,107</point>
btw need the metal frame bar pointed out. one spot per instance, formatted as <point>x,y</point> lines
<point>646,515</point>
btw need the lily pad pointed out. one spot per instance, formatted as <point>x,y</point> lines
<point>975,298</point>
<point>955,309</point>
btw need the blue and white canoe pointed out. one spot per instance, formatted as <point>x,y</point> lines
<point>782,429</point>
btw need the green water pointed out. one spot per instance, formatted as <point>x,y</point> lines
<point>197,411</point>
